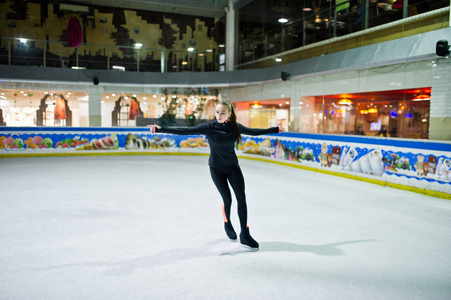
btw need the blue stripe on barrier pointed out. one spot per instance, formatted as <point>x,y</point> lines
<point>393,142</point>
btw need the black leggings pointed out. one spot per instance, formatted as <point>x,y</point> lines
<point>221,176</point>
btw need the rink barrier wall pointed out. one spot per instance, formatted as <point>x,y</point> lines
<point>421,166</point>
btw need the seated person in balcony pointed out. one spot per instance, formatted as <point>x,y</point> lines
<point>390,4</point>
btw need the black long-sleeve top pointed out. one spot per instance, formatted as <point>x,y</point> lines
<point>221,138</point>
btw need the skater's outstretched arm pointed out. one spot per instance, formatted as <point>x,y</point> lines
<point>198,129</point>
<point>259,131</point>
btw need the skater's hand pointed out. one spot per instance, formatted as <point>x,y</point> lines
<point>281,129</point>
<point>153,128</point>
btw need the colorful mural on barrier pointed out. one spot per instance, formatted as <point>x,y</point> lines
<point>364,159</point>
<point>428,170</point>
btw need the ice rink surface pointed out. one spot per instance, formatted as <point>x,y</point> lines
<point>151,227</point>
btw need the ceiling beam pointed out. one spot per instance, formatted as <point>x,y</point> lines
<point>200,8</point>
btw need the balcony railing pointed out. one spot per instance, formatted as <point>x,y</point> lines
<point>344,18</point>
<point>31,52</point>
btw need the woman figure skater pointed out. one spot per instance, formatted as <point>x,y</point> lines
<point>222,133</point>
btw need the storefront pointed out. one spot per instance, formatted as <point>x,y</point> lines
<point>39,107</point>
<point>395,113</point>
<point>264,113</point>
<point>71,108</point>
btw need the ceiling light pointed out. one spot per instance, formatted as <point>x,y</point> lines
<point>283,20</point>
<point>307,9</point>
<point>138,45</point>
<point>422,97</point>
<point>190,49</point>
<point>345,102</point>
<point>278,59</point>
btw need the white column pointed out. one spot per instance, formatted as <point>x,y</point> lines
<point>231,37</point>
<point>440,109</point>
<point>95,105</point>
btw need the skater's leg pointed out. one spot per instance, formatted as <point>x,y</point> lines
<point>220,181</point>
<point>236,180</point>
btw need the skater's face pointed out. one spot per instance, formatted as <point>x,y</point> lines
<point>222,113</point>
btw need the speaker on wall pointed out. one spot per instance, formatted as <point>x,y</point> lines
<point>442,48</point>
<point>284,75</point>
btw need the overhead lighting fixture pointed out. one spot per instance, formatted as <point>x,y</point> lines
<point>190,49</point>
<point>307,9</point>
<point>184,63</point>
<point>345,102</point>
<point>256,105</point>
<point>209,50</point>
<point>221,46</point>
<point>422,97</point>
<point>78,68</point>
<point>119,68</point>
<point>138,45</point>
<point>22,40</point>
<point>278,59</point>
<point>283,20</point>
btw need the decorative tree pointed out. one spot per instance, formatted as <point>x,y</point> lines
<point>170,109</point>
